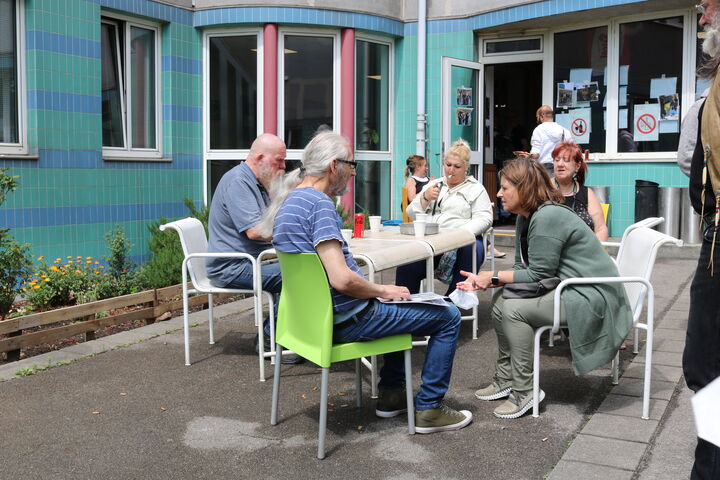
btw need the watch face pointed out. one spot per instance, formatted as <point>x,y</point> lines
<point>495,281</point>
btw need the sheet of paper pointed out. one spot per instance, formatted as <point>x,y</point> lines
<point>580,127</point>
<point>645,122</point>
<point>707,414</point>
<point>426,297</point>
<point>563,119</point>
<point>662,86</point>
<point>580,75</point>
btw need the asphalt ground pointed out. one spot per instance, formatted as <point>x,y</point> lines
<point>136,411</point>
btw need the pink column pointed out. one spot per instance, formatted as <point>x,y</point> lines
<point>347,102</point>
<point>270,73</point>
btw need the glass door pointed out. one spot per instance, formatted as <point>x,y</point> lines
<point>463,108</point>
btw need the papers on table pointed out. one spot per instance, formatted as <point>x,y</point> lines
<point>426,297</point>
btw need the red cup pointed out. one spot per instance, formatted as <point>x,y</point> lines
<point>359,225</point>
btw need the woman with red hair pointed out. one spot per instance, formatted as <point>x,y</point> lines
<point>569,177</point>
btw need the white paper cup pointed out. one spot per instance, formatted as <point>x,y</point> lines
<point>419,229</point>
<point>421,217</point>
<point>347,234</point>
<point>374,223</point>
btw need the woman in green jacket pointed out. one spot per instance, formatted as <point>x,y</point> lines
<point>550,241</point>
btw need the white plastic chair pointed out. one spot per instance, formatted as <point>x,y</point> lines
<point>194,244</point>
<point>635,264</point>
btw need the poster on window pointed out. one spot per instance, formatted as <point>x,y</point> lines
<point>580,75</point>
<point>565,95</point>
<point>580,125</point>
<point>463,117</point>
<point>645,122</point>
<point>586,93</point>
<point>463,96</point>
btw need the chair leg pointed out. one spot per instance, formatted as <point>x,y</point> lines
<point>276,386</point>
<point>536,372</point>
<point>261,338</point>
<point>186,319</point>
<point>616,368</point>
<point>636,341</point>
<point>409,393</point>
<point>210,319</point>
<point>358,383</point>
<point>373,377</point>
<point>323,411</point>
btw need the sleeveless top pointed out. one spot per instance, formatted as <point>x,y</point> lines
<point>420,183</point>
<point>578,202</point>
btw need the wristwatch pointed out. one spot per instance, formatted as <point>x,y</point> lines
<point>495,280</point>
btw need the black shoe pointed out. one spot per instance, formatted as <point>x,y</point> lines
<point>287,359</point>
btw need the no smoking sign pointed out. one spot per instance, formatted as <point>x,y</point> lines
<point>579,127</point>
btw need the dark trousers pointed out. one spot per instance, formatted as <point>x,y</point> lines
<point>701,358</point>
<point>411,274</point>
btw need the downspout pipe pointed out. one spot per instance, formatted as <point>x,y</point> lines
<point>420,140</point>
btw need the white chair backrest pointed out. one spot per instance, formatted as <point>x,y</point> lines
<point>647,222</point>
<point>637,259</point>
<point>193,240</point>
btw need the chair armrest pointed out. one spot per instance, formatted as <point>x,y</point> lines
<point>610,244</point>
<point>269,256</point>
<point>590,281</point>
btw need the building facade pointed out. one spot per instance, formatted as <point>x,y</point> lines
<point>115,111</point>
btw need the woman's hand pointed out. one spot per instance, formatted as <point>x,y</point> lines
<point>481,281</point>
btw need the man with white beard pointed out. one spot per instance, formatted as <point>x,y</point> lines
<point>701,358</point>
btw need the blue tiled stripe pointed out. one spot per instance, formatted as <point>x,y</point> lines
<point>55,42</point>
<point>151,9</point>
<point>512,14</point>
<point>55,216</point>
<point>93,159</point>
<point>62,101</point>
<point>182,113</point>
<point>173,63</point>
<point>306,16</point>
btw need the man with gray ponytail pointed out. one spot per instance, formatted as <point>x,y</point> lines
<point>238,204</point>
<point>303,219</point>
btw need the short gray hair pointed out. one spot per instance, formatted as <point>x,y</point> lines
<point>316,159</point>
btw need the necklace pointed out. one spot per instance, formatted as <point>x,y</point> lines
<point>567,194</point>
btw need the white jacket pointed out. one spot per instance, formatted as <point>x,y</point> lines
<point>545,137</point>
<point>465,206</point>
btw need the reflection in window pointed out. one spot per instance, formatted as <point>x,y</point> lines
<point>129,86</point>
<point>233,92</point>
<point>651,84</point>
<point>583,65</point>
<point>9,128</point>
<point>308,87</point>
<point>372,188</point>
<point>372,82</point>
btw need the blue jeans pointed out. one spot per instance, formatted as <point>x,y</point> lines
<point>411,274</point>
<point>442,324</point>
<point>271,282</point>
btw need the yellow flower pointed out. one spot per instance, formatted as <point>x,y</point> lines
<point>40,258</point>
<point>43,276</point>
<point>78,271</point>
<point>97,263</point>
<point>97,272</point>
<point>36,287</point>
<point>88,258</point>
<point>78,257</point>
<point>69,256</point>
<point>54,268</point>
<point>88,261</point>
<point>57,260</point>
<point>47,279</point>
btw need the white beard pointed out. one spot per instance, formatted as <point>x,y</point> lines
<point>711,44</point>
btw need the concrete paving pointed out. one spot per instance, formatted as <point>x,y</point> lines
<point>126,406</point>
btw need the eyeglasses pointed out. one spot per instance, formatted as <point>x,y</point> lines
<point>700,8</point>
<point>353,165</point>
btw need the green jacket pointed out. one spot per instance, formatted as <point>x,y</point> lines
<point>561,245</point>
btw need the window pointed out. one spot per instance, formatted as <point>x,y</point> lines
<point>650,86</point>
<point>233,101</point>
<point>130,94</point>
<point>308,87</point>
<point>372,93</point>
<point>11,82</point>
<point>518,45</point>
<point>583,67</point>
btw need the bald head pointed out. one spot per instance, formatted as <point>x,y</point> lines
<point>544,114</point>
<point>267,158</point>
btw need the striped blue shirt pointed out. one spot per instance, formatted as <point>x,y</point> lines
<point>307,218</point>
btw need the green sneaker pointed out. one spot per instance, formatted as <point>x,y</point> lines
<point>496,390</point>
<point>391,403</point>
<point>516,405</point>
<point>441,419</point>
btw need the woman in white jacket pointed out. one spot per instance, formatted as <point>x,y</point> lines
<point>454,200</point>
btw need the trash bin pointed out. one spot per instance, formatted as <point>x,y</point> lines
<point>646,199</point>
<point>602,194</point>
<point>689,220</point>
<point>669,208</point>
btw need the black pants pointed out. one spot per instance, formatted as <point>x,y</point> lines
<point>701,358</point>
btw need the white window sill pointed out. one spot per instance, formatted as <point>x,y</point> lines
<point>18,156</point>
<point>136,159</point>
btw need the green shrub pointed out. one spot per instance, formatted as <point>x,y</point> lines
<point>118,262</point>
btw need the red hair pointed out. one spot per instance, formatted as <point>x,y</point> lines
<point>574,152</point>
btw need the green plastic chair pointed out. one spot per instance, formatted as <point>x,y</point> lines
<point>305,326</point>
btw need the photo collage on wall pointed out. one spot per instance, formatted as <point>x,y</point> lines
<point>464,104</point>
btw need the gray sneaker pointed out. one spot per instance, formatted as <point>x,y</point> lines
<point>516,405</point>
<point>496,390</point>
<point>391,403</point>
<point>441,419</point>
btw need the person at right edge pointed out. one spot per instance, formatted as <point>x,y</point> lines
<point>701,126</point>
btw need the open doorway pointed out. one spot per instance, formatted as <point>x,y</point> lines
<point>513,94</point>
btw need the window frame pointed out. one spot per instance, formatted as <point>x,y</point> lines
<point>378,155</point>
<point>296,154</point>
<point>231,154</point>
<point>128,153</point>
<point>20,147</point>
<point>611,154</point>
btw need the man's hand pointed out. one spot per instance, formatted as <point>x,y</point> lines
<point>395,292</point>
